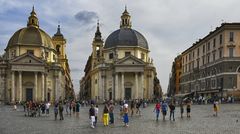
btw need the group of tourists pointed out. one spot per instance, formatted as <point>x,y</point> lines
<point>34,109</point>
<point>164,106</point>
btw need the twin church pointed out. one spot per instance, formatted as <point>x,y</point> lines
<point>35,66</point>
<point>120,68</point>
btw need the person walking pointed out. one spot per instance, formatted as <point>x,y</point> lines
<point>188,109</point>
<point>77,109</point>
<point>56,111</point>
<point>111,115</point>
<point>67,106</point>
<point>132,107</point>
<point>105,116</point>
<point>215,108</point>
<point>70,108</point>
<point>125,116</point>
<point>164,109</point>
<point>157,110</point>
<point>47,105</point>
<point>96,115</point>
<point>92,115</point>
<point>181,109</point>
<point>138,105</point>
<point>61,111</point>
<point>172,109</point>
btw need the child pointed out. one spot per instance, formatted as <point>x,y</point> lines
<point>215,108</point>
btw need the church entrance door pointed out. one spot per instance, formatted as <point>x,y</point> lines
<point>29,94</point>
<point>128,93</point>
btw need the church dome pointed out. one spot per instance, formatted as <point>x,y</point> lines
<point>31,35</point>
<point>126,37</point>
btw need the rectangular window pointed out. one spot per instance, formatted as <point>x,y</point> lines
<point>208,46</point>
<point>220,39</point>
<point>127,54</point>
<point>193,54</point>
<point>203,48</point>
<point>214,42</point>
<point>198,52</point>
<point>208,58</point>
<point>214,56</point>
<point>231,38</point>
<point>220,53</point>
<point>189,56</point>
<point>198,63</point>
<point>111,56</point>
<point>142,56</point>
<point>231,52</point>
<point>203,60</point>
<point>30,52</point>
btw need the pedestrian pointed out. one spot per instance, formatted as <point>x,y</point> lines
<point>138,105</point>
<point>164,109</point>
<point>105,116</point>
<point>215,108</point>
<point>15,106</point>
<point>157,110</point>
<point>92,116</point>
<point>181,109</point>
<point>125,116</point>
<point>74,107</point>
<point>43,108</point>
<point>56,111</point>
<point>111,115</point>
<point>47,105</point>
<point>77,109</point>
<point>172,109</point>
<point>67,106</point>
<point>70,108</point>
<point>96,115</point>
<point>132,107</point>
<point>188,109</point>
<point>61,111</point>
<point>121,110</point>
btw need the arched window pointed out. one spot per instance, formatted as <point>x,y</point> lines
<point>58,48</point>
<point>32,21</point>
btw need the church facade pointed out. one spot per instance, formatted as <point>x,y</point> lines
<point>34,66</point>
<point>121,68</point>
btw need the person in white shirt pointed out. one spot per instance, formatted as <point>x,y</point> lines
<point>47,105</point>
<point>96,115</point>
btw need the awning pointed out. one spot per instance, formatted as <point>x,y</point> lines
<point>182,95</point>
<point>208,91</point>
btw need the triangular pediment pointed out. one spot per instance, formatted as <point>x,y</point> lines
<point>130,60</point>
<point>27,59</point>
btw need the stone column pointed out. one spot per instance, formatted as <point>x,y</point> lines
<point>136,86</point>
<point>142,85</point>
<point>20,85</point>
<point>13,87</point>
<point>116,86</point>
<point>43,86</point>
<point>36,86</point>
<point>122,87</point>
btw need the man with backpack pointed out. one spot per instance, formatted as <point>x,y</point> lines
<point>164,109</point>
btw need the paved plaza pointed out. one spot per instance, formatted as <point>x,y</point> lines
<point>201,122</point>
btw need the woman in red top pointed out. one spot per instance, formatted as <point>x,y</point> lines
<point>157,110</point>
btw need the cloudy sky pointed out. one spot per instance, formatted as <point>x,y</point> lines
<point>170,26</point>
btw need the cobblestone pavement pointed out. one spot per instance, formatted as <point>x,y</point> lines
<point>201,122</point>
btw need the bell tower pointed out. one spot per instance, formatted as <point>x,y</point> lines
<point>60,45</point>
<point>97,47</point>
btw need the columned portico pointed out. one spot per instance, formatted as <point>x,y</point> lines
<point>116,87</point>
<point>36,85</point>
<point>13,87</point>
<point>136,85</point>
<point>122,86</point>
<point>20,85</point>
<point>43,86</point>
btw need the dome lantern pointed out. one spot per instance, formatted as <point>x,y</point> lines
<point>32,19</point>
<point>125,19</point>
<point>98,34</point>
